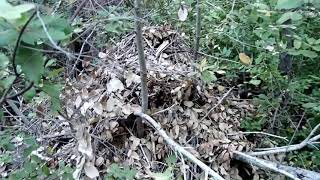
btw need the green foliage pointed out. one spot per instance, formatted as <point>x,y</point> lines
<point>9,12</point>
<point>169,172</point>
<point>288,4</point>
<point>116,172</point>
<point>32,166</point>
<point>29,60</point>
<point>30,65</point>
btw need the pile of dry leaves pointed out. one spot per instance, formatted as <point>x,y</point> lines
<point>101,103</point>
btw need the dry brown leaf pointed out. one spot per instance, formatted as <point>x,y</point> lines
<point>245,59</point>
<point>114,85</point>
<point>189,104</point>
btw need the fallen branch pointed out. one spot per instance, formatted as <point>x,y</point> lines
<point>289,171</point>
<point>284,149</point>
<point>178,148</point>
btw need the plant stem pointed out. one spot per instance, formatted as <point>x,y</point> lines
<point>142,61</point>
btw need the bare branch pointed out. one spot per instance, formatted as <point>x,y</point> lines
<point>289,171</point>
<point>178,148</point>
<point>289,148</point>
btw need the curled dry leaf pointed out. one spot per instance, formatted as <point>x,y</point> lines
<point>91,171</point>
<point>132,78</point>
<point>78,101</point>
<point>102,55</point>
<point>183,13</point>
<point>97,107</point>
<point>245,59</point>
<point>115,85</point>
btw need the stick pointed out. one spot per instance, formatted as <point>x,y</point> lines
<point>219,102</point>
<point>263,133</point>
<point>289,171</point>
<point>289,148</point>
<point>178,148</point>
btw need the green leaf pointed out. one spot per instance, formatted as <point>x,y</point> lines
<point>29,94</point>
<point>316,48</point>
<point>293,52</point>
<point>9,12</point>
<point>208,76</point>
<point>58,28</point>
<point>255,82</point>
<point>171,160</point>
<point>53,90</point>
<point>4,61</point>
<point>311,40</point>
<point>167,175</point>
<point>297,44</point>
<point>8,37</point>
<point>31,63</point>
<point>288,4</point>
<point>294,16</point>
<point>309,105</point>
<point>317,41</point>
<point>308,53</point>
<point>7,81</point>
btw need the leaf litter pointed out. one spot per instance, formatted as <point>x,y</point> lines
<point>101,103</point>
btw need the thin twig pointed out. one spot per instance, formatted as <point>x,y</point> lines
<point>264,133</point>
<point>164,110</point>
<point>219,102</point>
<point>296,130</point>
<point>22,91</point>
<point>69,55</point>
<point>178,148</point>
<point>81,50</point>
<point>76,12</point>
<point>218,58</point>
<point>289,148</point>
<point>19,113</point>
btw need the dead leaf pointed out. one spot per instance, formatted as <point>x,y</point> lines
<point>78,101</point>
<point>115,85</point>
<point>162,47</point>
<point>102,55</point>
<point>221,88</point>
<point>80,162</point>
<point>188,103</point>
<point>245,59</point>
<point>91,171</point>
<point>97,107</point>
<point>183,13</point>
<point>99,161</point>
<point>132,78</point>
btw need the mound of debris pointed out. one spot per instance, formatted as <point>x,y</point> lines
<point>104,98</point>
